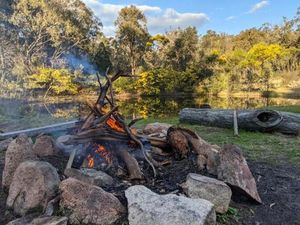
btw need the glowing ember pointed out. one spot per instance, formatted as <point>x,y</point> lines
<point>101,152</point>
<point>91,161</point>
<point>104,153</point>
<point>114,124</point>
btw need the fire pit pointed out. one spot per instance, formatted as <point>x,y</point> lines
<point>105,142</point>
<point>107,156</point>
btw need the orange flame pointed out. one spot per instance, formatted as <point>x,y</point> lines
<point>113,123</point>
<point>102,152</point>
<point>91,161</point>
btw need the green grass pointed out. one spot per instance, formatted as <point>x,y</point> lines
<point>229,218</point>
<point>289,108</point>
<point>272,148</point>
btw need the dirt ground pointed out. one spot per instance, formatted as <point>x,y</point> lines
<point>278,186</point>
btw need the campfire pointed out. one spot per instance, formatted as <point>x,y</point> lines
<point>105,142</point>
<point>108,141</point>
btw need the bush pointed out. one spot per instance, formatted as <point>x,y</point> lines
<point>55,81</point>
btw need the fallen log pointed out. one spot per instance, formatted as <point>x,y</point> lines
<point>263,120</point>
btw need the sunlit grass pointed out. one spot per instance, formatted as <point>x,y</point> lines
<point>289,108</point>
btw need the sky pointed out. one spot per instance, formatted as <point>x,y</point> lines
<point>228,16</point>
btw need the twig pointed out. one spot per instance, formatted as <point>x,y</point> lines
<point>98,78</point>
<point>105,88</point>
<point>132,122</point>
<point>110,87</point>
<point>107,115</point>
<point>94,109</point>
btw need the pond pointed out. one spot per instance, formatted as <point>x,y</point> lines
<point>22,114</point>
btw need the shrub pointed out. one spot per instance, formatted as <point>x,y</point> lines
<point>56,81</point>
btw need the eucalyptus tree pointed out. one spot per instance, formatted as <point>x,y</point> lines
<point>181,48</point>
<point>132,35</point>
<point>48,29</point>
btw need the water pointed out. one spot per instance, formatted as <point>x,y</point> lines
<point>22,114</point>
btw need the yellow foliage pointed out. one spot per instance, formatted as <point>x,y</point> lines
<point>55,80</point>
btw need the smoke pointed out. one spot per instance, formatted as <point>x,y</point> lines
<point>81,62</point>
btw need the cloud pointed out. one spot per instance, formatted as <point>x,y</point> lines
<point>230,18</point>
<point>159,20</point>
<point>171,19</point>
<point>258,6</point>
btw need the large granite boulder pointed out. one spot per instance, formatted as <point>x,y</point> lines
<point>18,151</point>
<point>148,208</point>
<point>44,146</point>
<point>215,191</point>
<point>89,204</point>
<point>234,171</point>
<point>34,184</point>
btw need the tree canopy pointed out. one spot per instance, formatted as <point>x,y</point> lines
<point>38,35</point>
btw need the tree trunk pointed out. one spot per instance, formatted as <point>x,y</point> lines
<point>263,120</point>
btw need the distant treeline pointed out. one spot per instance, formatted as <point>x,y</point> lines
<point>40,38</point>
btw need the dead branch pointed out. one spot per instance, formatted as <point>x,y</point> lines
<point>127,130</point>
<point>132,122</point>
<point>132,165</point>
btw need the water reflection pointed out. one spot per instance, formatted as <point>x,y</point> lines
<point>21,114</point>
<point>167,106</point>
<point>154,107</point>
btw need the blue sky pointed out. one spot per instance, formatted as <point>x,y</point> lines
<point>229,16</point>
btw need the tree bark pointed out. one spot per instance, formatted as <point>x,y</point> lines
<point>262,120</point>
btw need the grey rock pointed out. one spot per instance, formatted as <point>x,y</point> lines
<point>61,145</point>
<point>18,151</point>
<point>148,208</point>
<point>90,176</point>
<point>89,204</point>
<point>159,129</point>
<point>44,146</point>
<point>234,171</point>
<point>23,220</point>
<point>34,184</point>
<point>215,191</point>
<point>53,220</point>
<point>4,144</point>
